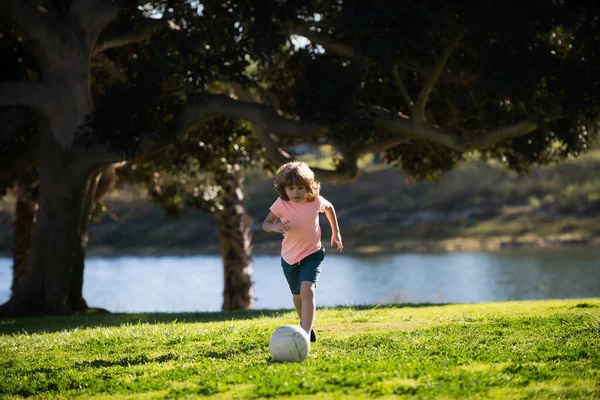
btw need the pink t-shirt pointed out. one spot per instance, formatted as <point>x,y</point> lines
<point>305,236</point>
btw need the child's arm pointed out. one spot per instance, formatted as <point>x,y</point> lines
<point>336,236</point>
<point>270,224</point>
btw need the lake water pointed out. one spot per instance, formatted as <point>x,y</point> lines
<point>176,284</point>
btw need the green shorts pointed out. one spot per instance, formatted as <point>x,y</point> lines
<point>307,269</point>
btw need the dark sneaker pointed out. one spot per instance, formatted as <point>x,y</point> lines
<point>313,335</point>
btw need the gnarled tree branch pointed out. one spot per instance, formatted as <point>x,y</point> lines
<point>110,38</point>
<point>402,87</point>
<point>340,49</point>
<point>502,133</point>
<point>394,129</point>
<point>272,150</point>
<point>215,105</point>
<point>344,172</point>
<point>419,109</point>
<point>385,120</point>
<point>261,115</point>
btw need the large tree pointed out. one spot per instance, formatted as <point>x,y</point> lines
<point>425,82</point>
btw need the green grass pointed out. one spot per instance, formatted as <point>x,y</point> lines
<point>518,350</point>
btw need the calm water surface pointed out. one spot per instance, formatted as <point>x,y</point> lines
<point>173,284</point>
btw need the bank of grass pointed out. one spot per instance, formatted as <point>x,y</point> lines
<point>515,350</point>
<point>476,207</point>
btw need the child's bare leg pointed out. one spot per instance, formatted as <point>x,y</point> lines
<point>298,304</point>
<point>307,296</point>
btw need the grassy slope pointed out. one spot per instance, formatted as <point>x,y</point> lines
<point>537,350</point>
<point>475,207</point>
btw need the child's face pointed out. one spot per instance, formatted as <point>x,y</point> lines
<point>296,193</point>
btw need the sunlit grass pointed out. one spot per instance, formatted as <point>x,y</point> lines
<point>541,349</point>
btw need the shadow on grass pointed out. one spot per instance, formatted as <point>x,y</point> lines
<point>125,362</point>
<point>102,318</point>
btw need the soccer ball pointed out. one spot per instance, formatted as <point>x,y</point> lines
<point>289,343</point>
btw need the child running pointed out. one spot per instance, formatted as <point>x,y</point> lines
<point>295,214</point>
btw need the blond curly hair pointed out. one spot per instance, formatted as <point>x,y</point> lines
<point>296,173</point>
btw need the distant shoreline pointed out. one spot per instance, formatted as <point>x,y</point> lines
<point>450,245</point>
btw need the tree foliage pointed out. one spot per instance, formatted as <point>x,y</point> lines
<point>463,69</point>
<point>188,174</point>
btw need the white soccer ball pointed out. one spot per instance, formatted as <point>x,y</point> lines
<point>289,343</point>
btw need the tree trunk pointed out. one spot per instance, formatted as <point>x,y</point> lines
<point>99,184</point>
<point>26,213</point>
<point>76,300</point>
<point>235,237</point>
<point>55,250</point>
<point>25,217</point>
<point>63,45</point>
